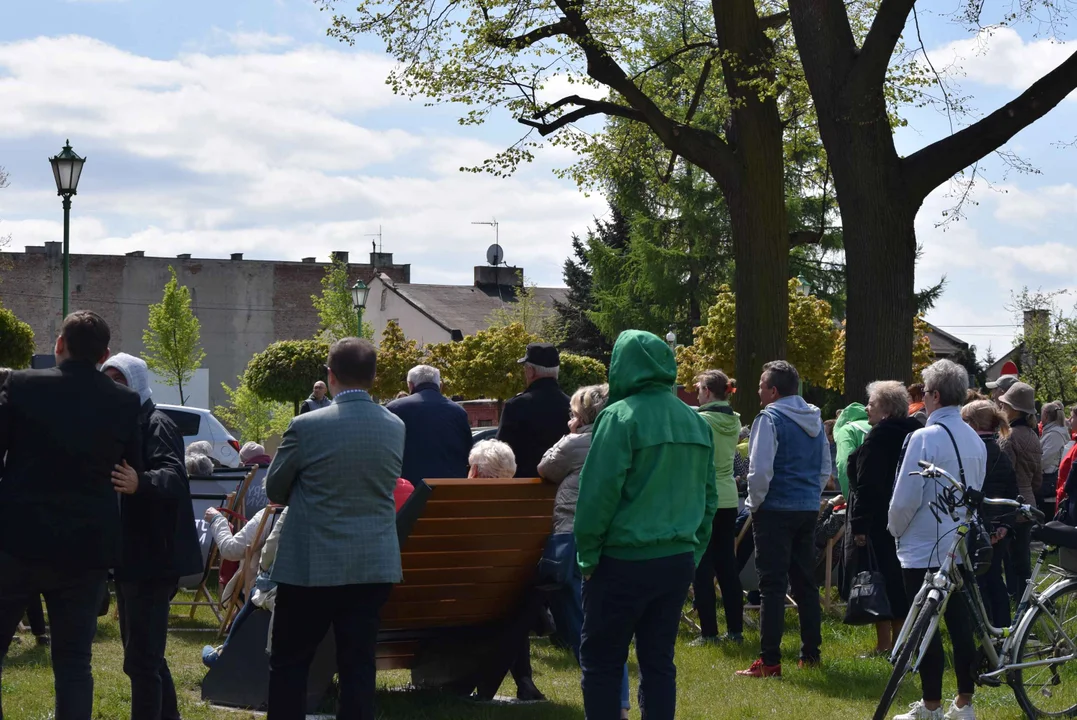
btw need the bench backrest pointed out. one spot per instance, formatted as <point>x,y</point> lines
<point>472,553</point>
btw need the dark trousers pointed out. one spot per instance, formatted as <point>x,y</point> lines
<point>993,587</point>
<point>143,607</point>
<point>720,560</point>
<point>300,621</point>
<point>958,618</point>
<point>36,616</point>
<point>625,598</point>
<point>784,557</point>
<point>72,598</point>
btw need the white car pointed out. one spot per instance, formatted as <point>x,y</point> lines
<point>198,424</point>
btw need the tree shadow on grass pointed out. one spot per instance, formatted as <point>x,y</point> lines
<point>864,680</point>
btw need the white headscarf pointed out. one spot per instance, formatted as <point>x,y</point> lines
<point>134,370</point>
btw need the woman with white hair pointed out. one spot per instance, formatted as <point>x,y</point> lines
<point>947,442</point>
<point>871,484</point>
<point>491,459</point>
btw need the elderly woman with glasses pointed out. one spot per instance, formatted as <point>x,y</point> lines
<point>871,484</point>
<point>946,441</point>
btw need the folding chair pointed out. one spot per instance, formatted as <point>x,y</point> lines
<point>249,569</point>
<point>232,505</point>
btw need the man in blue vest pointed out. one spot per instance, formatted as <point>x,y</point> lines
<point>790,466</point>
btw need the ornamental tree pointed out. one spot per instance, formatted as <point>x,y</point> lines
<point>16,341</point>
<point>251,417</point>
<point>483,365</point>
<point>396,356</point>
<point>172,337</point>
<point>812,336</point>
<point>287,370</point>
<point>580,371</point>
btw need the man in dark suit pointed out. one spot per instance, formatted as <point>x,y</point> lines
<point>438,432</point>
<point>338,555</point>
<point>64,431</point>
<point>537,418</point>
<point>160,545</point>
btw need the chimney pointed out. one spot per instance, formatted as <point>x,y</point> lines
<point>493,275</point>
<point>1036,321</point>
<point>35,249</point>
<point>237,256</point>
<point>309,259</point>
<point>381,259</point>
<point>183,256</point>
<point>340,255</point>
<point>137,253</point>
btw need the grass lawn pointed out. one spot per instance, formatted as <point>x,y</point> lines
<point>844,687</point>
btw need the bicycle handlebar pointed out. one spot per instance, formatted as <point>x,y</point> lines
<point>1032,513</point>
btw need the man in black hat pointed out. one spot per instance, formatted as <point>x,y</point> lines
<point>538,417</point>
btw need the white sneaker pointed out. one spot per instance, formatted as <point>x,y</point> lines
<point>917,711</point>
<point>962,713</point>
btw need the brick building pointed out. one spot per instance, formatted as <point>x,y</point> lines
<point>243,305</point>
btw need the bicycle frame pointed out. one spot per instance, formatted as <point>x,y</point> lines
<point>949,578</point>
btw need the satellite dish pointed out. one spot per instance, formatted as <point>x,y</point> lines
<point>495,255</point>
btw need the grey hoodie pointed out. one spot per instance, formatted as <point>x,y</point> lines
<point>134,370</point>
<point>764,445</point>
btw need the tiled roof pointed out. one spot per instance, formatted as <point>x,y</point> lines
<point>467,308</point>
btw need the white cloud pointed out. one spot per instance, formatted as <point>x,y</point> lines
<point>1001,57</point>
<point>1029,208</point>
<point>257,40</point>
<point>277,155</point>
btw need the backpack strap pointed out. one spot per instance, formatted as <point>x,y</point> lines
<point>960,465</point>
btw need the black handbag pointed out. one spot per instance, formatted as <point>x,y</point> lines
<point>558,561</point>
<point>868,603</point>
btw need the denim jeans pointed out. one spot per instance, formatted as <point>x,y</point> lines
<point>143,607</point>
<point>784,556</point>
<point>720,560</point>
<point>72,598</point>
<point>566,605</point>
<point>301,619</point>
<point>625,598</point>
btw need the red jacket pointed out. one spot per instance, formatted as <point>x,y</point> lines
<point>402,492</point>
<point>1064,470</point>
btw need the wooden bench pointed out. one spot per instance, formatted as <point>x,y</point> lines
<point>467,601</point>
<point>469,550</point>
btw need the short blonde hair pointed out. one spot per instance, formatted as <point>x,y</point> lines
<point>985,416</point>
<point>588,402</point>
<point>891,397</point>
<point>492,459</point>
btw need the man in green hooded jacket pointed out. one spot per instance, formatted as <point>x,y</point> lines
<point>643,520</point>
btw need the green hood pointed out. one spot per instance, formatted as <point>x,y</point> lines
<point>724,423</point>
<point>850,414</point>
<point>641,361</point>
<point>725,427</point>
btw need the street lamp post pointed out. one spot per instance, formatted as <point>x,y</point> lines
<point>359,295</point>
<point>67,168</point>
<point>671,339</point>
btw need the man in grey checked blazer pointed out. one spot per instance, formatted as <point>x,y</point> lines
<point>338,555</point>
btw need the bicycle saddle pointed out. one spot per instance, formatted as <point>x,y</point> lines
<point>1056,533</point>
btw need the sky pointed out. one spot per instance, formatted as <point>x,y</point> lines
<point>212,128</point>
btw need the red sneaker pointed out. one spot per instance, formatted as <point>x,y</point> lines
<point>759,670</point>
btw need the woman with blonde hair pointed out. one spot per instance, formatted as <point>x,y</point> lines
<point>990,424</point>
<point>561,465</point>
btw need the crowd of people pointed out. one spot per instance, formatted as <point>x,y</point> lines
<point>651,497</point>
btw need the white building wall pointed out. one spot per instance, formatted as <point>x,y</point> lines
<point>383,305</point>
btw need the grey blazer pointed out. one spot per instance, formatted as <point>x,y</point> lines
<point>336,470</point>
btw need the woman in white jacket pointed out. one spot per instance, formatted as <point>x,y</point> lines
<point>922,540</point>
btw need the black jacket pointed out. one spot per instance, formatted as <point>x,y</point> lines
<point>877,462</point>
<point>438,438</point>
<point>64,430</point>
<point>159,536</point>
<point>999,482</point>
<point>532,422</point>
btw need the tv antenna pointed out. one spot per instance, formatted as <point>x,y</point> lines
<point>377,248</point>
<point>494,254</point>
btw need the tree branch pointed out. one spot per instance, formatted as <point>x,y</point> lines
<point>587,108</point>
<point>935,164</point>
<point>882,38</point>
<point>775,21</point>
<point>680,51</point>
<point>561,27</point>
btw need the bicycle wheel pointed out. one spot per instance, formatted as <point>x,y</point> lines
<point>928,612</point>
<point>1048,690</point>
